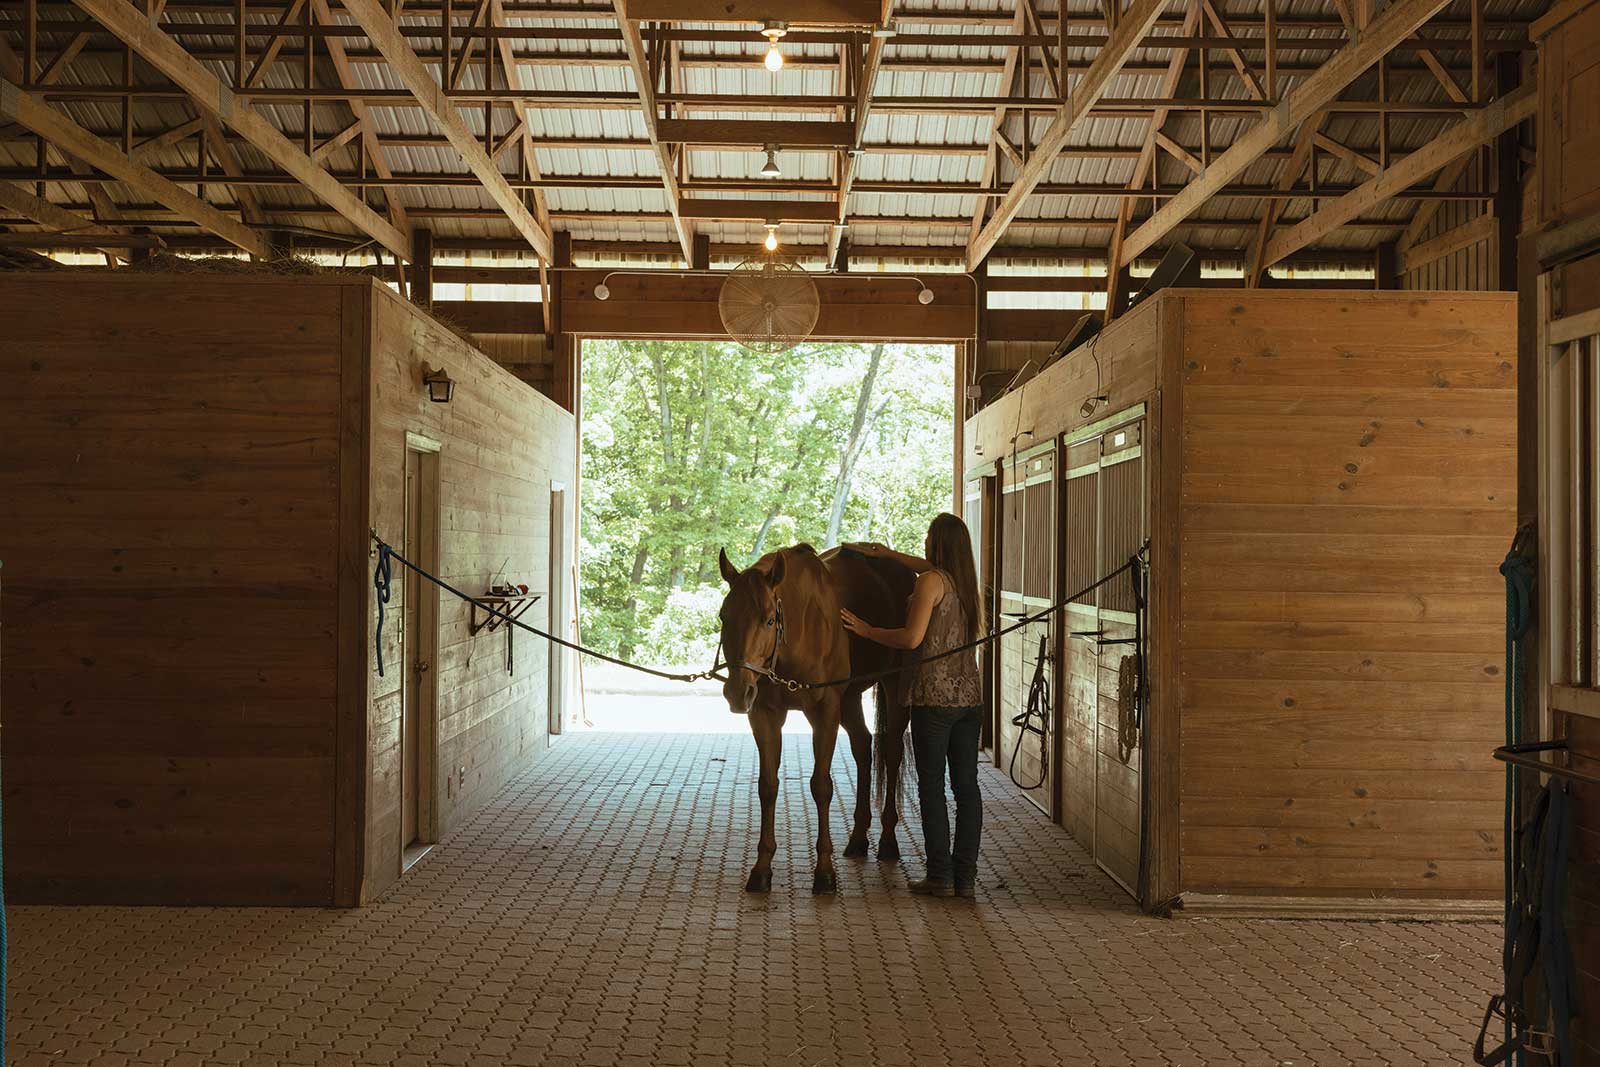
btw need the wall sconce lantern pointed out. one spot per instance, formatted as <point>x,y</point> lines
<point>440,386</point>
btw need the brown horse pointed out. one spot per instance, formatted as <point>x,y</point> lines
<point>781,616</point>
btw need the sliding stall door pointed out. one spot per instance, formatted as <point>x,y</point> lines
<point>1027,585</point>
<point>1080,488</point>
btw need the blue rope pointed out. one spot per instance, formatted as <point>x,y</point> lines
<point>1519,570</point>
<point>382,576</point>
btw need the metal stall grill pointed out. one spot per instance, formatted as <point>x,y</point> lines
<point>1105,519</point>
<point>1027,584</point>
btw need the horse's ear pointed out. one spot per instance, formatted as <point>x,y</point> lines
<point>775,575</point>
<point>729,571</point>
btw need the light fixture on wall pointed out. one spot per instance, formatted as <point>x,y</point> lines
<point>770,168</point>
<point>771,243</point>
<point>772,31</point>
<point>440,386</point>
<point>602,291</point>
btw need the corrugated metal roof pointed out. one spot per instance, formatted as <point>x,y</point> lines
<point>955,148</point>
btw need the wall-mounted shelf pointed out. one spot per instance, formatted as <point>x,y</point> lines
<point>508,608</point>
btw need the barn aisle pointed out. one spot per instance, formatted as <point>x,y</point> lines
<point>592,914</point>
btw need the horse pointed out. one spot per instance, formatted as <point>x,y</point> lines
<point>781,618</point>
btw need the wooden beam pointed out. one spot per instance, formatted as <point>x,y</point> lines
<point>993,150</point>
<point>221,151</point>
<point>63,59</point>
<point>644,85</point>
<point>1131,28</point>
<point>1423,217</point>
<point>20,107</point>
<point>219,101</point>
<point>755,133</point>
<point>1494,119</point>
<point>794,12</point>
<point>1448,243</point>
<point>1178,152</point>
<point>1299,159</point>
<point>1235,52</point>
<point>414,76</point>
<point>181,132</point>
<point>1447,81</point>
<point>1346,153</point>
<point>866,82</point>
<point>337,141</point>
<point>1398,22</point>
<point>371,146</point>
<point>50,216</point>
<point>512,72</point>
<point>759,210</point>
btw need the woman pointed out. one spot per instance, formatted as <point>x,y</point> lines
<point>945,697</point>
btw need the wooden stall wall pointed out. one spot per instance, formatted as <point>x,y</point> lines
<point>502,449</point>
<point>169,465</point>
<point>1349,486</point>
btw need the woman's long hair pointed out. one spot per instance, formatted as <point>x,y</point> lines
<point>949,547</point>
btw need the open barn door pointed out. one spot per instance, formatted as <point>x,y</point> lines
<point>1027,655</point>
<point>1105,520</point>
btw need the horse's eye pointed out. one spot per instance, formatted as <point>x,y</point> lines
<point>772,620</point>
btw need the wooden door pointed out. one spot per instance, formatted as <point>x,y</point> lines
<point>1122,529</point>
<point>419,642</point>
<point>557,691</point>
<point>1080,641</point>
<point>1027,585</point>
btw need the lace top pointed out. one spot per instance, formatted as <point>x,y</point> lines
<point>951,682</point>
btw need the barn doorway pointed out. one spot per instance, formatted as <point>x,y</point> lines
<point>687,447</point>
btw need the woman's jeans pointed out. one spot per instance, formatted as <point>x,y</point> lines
<point>940,736</point>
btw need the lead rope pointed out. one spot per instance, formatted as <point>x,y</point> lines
<point>1034,719</point>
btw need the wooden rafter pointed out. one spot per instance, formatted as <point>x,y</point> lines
<point>167,138</point>
<point>512,73</point>
<point>754,133</point>
<point>993,150</point>
<point>50,216</point>
<point>22,108</point>
<point>1423,217</point>
<point>371,146</point>
<point>1252,85</point>
<point>1145,168</point>
<point>666,159</point>
<point>1132,26</point>
<point>1398,21</point>
<point>1340,150</point>
<point>1483,125</point>
<point>223,152</point>
<point>866,80</point>
<point>415,77</point>
<point>220,102</point>
<point>1254,268</point>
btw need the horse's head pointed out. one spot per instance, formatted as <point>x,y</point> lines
<point>752,627</point>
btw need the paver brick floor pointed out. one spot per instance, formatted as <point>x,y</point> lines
<point>593,914</point>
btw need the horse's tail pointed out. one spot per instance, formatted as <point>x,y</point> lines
<point>881,730</point>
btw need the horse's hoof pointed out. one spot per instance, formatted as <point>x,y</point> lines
<point>856,848</point>
<point>824,882</point>
<point>889,851</point>
<point>760,882</point>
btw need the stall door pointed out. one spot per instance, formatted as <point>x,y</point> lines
<point>977,511</point>
<point>1027,585</point>
<point>1103,522</point>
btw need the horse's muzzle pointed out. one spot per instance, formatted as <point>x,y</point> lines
<point>740,691</point>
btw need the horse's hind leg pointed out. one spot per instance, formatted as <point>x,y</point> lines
<point>855,724</point>
<point>767,725</point>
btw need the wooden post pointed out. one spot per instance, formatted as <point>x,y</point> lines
<point>1507,203</point>
<point>978,356</point>
<point>1385,264</point>
<point>841,261</point>
<point>564,383</point>
<point>702,252</point>
<point>422,267</point>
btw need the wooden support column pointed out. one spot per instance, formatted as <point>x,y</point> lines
<point>563,346</point>
<point>1386,267</point>
<point>422,267</point>
<point>702,252</point>
<point>978,355</point>
<point>841,259</point>
<point>1507,203</point>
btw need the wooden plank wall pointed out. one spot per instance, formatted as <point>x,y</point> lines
<point>1473,267</point>
<point>525,355</point>
<point>1349,487</point>
<point>169,469</point>
<point>501,446</point>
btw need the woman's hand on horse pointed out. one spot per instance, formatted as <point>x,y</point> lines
<point>853,622</point>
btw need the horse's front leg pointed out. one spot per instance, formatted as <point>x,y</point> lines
<point>767,725</point>
<point>824,734</point>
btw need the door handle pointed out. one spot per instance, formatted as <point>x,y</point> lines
<point>420,667</point>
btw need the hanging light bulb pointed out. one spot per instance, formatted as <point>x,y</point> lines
<point>771,242</point>
<point>770,168</point>
<point>772,31</point>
